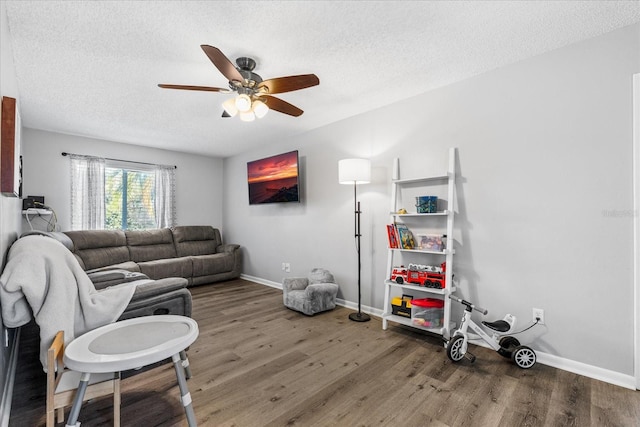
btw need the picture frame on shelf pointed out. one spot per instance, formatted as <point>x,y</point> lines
<point>430,242</point>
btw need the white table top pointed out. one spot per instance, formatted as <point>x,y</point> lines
<point>130,344</point>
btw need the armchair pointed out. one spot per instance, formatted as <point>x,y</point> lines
<point>310,295</point>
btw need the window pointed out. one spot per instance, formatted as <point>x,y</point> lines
<point>111,194</point>
<point>129,198</point>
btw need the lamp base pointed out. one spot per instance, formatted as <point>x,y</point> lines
<point>359,317</point>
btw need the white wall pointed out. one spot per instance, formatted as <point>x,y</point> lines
<point>9,208</point>
<point>47,173</point>
<point>545,148</point>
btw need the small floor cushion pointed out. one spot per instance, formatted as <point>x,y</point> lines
<point>310,295</point>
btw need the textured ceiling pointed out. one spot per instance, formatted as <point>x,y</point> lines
<point>91,68</point>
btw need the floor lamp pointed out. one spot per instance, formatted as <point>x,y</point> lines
<point>356,171</point>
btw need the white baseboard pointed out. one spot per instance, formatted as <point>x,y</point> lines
<point>600,374</point>
<point>261,281</point>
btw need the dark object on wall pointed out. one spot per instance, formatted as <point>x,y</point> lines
<point>10,169</point>
<point>274,179</point>
<point>33,202</point>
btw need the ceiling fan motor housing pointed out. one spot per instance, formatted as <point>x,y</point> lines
<point>251,79</point>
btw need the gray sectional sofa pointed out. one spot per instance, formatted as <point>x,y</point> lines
<point>195,253</point>
<point>162,262</point>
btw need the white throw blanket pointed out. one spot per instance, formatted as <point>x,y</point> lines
<point>44,277</point>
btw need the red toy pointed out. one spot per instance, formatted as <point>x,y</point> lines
<point>421,275</point>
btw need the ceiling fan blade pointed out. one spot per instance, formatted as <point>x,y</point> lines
<point>289,83</point>
<point>222,63</point>
<point>205,88</point>
<point>278,104</point>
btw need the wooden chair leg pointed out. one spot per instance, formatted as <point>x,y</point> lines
<point>50,418</point>
<point>60,412</point>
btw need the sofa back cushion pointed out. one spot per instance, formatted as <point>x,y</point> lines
<point>99,248</point>
<point>196,240</point>
<point>150,245</point>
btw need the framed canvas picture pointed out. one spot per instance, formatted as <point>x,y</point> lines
<point>274,179</point>
<point>10,167</point>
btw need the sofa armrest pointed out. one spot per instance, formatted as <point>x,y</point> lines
<point>106,278</point>
<point>152,288</point>
<point>294,284</point>
<point>229,247</point>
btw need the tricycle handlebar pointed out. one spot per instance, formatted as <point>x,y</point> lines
<point>468,304</point>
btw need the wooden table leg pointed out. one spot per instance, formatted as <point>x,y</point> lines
<point>184,390</point>
<point>72,421</point>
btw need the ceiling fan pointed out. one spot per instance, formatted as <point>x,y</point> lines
<point>254,95</point>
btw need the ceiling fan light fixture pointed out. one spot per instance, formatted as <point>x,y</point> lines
<point>230,107</point>
<point>254,95</point>
<point>260,109</point>
<point>247,116</point>
<point>243,103</point>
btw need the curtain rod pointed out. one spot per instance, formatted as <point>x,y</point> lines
<point>120,160</point>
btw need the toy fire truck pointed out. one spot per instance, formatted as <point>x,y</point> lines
<point>428,276</point>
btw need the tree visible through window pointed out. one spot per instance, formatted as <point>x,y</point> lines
<point>129,199</point>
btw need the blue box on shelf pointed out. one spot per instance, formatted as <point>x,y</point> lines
<point>426,204</point>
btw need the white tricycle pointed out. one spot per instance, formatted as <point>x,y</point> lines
<point>507,346</point>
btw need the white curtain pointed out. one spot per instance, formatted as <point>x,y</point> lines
<point>87,192</point>
<point>165,196</point>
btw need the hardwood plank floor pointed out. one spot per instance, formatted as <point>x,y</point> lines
<point>256,363</point>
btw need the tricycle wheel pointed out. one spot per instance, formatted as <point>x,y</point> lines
<point>454,348</point>
<point>524,357</point>
<point>507,345</point>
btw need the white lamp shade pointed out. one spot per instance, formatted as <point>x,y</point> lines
<point>230,106</point>
<point>354,171</point>
<point>243,103</point>
<point>260,109</point>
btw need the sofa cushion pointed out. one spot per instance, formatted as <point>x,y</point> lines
<point>169,267</point>
<point>149,245</point>
<point>196,240</point>
<point>99,248</point>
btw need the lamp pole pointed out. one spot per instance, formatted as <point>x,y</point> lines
<point>359,316</point>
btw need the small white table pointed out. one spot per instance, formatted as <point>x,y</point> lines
<point>131,344</point>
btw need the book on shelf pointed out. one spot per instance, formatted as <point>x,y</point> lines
<point>405,237</point>
<point>392,235</point>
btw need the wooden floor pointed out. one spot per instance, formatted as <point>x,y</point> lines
<point>257,363</point>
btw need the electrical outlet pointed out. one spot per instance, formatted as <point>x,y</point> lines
<point>287,267</point>
<point>538,314</point>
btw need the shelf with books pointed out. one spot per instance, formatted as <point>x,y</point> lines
<point>424,251</point>
<point>401,237</point>
<point>425,236</point>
